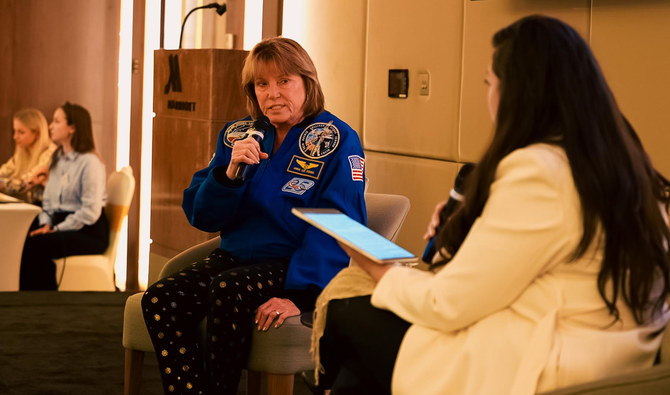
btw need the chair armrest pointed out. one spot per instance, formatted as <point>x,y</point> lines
<point>307,319</point>
<point>655,380</point>
<point>188,256</point>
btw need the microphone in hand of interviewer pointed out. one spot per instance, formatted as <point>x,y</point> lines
<point>456,198</point>
<point>257,132</point>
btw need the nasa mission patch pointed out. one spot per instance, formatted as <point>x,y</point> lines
<point>298,186</point>
<point>236,131</point>
<point>319,139</point>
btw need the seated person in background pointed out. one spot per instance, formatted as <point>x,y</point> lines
<point>72,221</point>
<point>271,265</point>
<point>24,174</point>
<point>558,259</point>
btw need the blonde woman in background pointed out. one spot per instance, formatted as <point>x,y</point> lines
<point>24,174</point>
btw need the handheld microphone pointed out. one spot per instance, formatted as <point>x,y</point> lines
<point>257,132</point>
<point>220,9</point>
<point>456,198</point>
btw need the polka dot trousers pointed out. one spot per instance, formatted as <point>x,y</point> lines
<point>225,292</point>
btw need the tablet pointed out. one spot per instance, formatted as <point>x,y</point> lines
<point>355,235</point>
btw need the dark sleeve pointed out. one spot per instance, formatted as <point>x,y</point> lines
<point>211,199</point>
<point>304,299</point>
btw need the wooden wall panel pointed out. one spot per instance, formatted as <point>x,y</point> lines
<point>482,20</point>
<point>425,182</point>
<point>68,51</point>
<point>420,38</point>
<point>210,80</point>
<point>235,21</point>
<point>8,87</point>
<point>181,147</point>
<point>631,40</point>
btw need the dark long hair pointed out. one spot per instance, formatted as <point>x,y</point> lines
<point>82,139</point>
<point>553,91</point>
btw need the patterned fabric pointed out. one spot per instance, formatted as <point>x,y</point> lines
<point>15,185</point>
<point>225,292</point>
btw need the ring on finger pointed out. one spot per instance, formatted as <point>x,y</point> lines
<point>278,313</point>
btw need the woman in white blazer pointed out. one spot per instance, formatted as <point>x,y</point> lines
<point>558,260</point>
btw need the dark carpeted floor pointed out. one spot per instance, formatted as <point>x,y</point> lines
<point>68,343</point>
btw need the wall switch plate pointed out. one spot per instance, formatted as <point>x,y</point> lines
<point>424,84</point>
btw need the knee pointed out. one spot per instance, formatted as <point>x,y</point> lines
<point>226,292</point>
<point>346,313</point>
<point>337,310</point>
<point>225,283</point>
<point>153,296</point>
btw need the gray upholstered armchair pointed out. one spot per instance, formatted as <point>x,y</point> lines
<point>276,354</point>
<point>652,381</point>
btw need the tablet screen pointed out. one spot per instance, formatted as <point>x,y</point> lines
<point>352,233</point>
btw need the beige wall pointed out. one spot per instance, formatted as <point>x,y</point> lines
<point>413,145</point>
<point>334,35</point>
<point>631,39</point>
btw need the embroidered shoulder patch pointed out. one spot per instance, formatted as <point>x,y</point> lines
<point>357,165</point>
<point>319,139</point>
<point>305,167</point>
<point>297,185</point>
<point>236,131</point>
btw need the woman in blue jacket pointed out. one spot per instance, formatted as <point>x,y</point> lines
<point>270,265</point>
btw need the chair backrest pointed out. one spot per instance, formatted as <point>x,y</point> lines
<point>120,190</point>
<point>386,213</point>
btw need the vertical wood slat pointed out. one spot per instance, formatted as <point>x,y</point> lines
<point>272,18</point>
<point>235,21</point>
<point>135,160</point>
<point>8,84</point>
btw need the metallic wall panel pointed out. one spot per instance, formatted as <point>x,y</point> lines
<point>482,19</point>
<point>421,37</point>
<point>424,181</point>
<point>631,40</point>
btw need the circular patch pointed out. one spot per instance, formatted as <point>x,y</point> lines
<point>319,139</point>
<point>236,131</point>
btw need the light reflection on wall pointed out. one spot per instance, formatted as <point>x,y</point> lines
<point>293,20</point>
<point>151,43</point>
<point>253,25</point>
<point>123,123</point>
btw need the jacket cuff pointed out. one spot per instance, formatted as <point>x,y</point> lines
<point>304,299</point>
<point>220,176</point>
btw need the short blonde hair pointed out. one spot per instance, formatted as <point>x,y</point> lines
<point>290,58</point>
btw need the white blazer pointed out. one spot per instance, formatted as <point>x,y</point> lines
<point>511,313</point>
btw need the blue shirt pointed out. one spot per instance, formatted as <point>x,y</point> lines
<point>77,184</point>
<point>319,164</point>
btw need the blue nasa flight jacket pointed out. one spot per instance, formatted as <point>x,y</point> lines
<point>319,164</point>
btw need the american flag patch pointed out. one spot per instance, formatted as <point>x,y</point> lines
<point>357,166</point>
